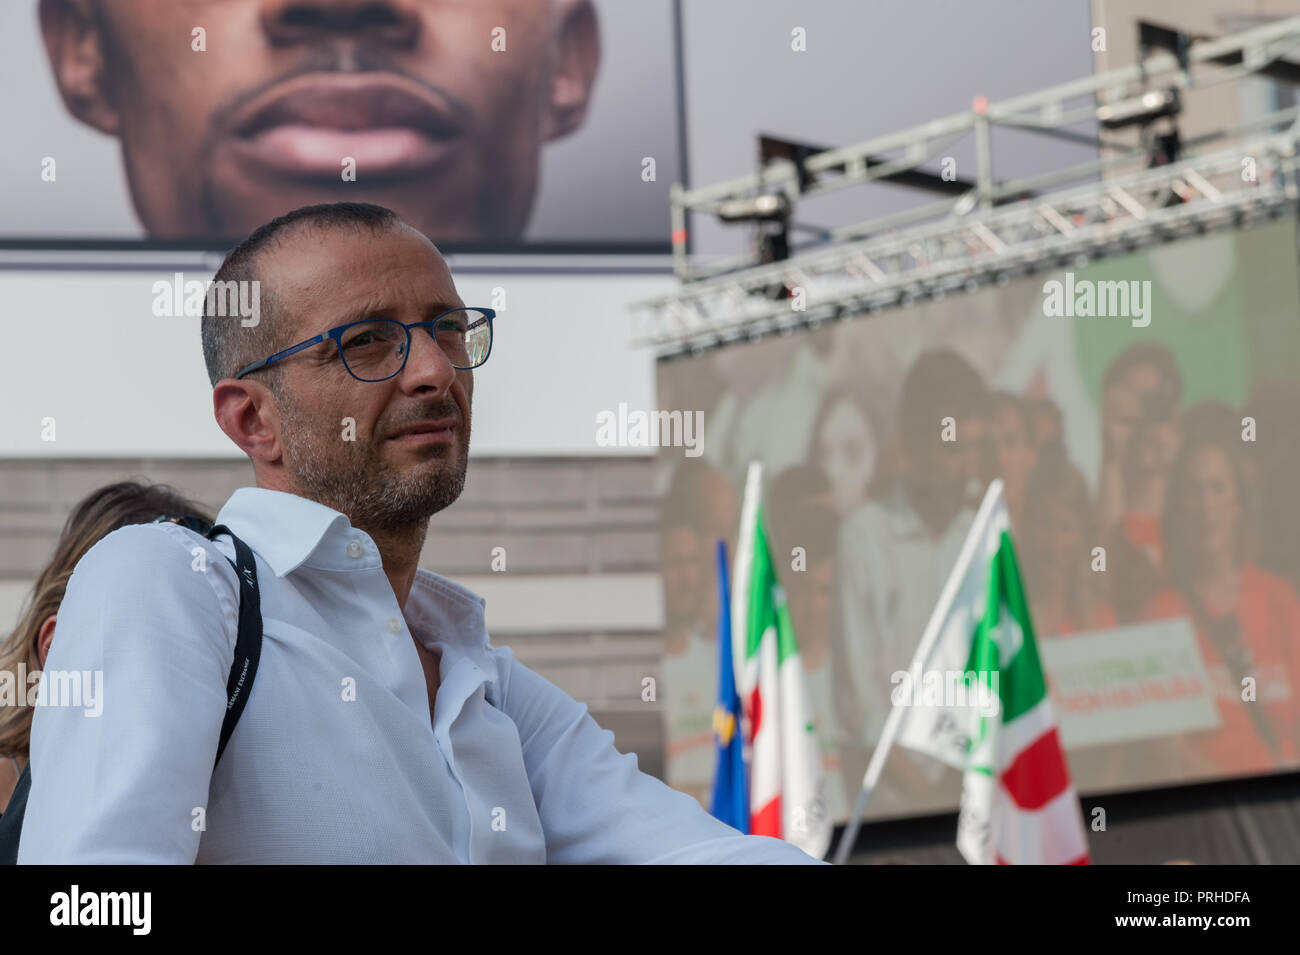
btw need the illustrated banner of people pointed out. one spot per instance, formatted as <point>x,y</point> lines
<point>1143,413</point>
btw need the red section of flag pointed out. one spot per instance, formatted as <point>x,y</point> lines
<point>755,713</point>
<point>1038,774</point>
<point>767,821</point>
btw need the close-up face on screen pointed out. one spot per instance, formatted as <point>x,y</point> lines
<point>585,432</point>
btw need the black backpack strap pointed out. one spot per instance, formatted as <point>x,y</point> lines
<point>11,823</point>
<point>248,650</point>
<point>248,643</point>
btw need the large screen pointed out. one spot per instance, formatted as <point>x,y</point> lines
<point>490,124</point>
<point>1143,413</point>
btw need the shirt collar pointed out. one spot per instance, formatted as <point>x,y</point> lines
<point>285,529</point>
<point>288,532</point>
<point>442,611</point>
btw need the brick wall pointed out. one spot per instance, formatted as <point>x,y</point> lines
<point>584,529</point>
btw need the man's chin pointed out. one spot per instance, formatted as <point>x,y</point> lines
<point>445,485</point>
<point>412,500</point>
<point>438,458</point>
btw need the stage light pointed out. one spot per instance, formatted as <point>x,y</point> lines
<point>1143,109</point>
<point>772,207</point>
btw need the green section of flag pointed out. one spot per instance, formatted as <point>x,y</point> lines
<point>767,604</point>
<point>1021,685</point>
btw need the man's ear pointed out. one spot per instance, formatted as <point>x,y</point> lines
<point>45,637</point>
<point>74,46</point>
<point>245,410</point>
<point>578,56</point>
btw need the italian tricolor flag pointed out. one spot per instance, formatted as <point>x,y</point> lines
<point>1018,804</point>
<point>786,797</point>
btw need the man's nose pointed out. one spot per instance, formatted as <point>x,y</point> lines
<point>393,22</point>
<point>427,365</point>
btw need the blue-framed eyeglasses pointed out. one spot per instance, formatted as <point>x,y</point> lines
<point>376,349</point>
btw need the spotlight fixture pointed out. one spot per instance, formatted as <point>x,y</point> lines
<point>771,207</point>
<point>1144,109</point>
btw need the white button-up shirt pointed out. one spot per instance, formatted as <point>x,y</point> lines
<point>335,759</point>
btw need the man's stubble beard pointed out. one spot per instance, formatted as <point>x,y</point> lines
<point>351,478</point>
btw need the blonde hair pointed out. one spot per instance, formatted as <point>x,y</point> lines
<point>95,517</point>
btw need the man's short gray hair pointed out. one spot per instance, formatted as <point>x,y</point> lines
<point>228,344</point>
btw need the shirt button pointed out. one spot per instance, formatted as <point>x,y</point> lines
<point>354,548</point>
<point>394,625</point>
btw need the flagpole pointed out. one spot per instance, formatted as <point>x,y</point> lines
<point>741,563</point>
<point>932,630</point>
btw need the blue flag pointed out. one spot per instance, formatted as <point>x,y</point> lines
<point>730,801</point>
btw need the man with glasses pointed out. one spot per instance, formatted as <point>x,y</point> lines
<point>382,726</point>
